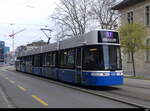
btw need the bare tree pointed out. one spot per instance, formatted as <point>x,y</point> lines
<point>72,17</point>
<point>101,11</point>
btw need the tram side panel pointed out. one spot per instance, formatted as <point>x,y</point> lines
<point>102,79</point>
<point>66,75</point>
<point>66,65</point>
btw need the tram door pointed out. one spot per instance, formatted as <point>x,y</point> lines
<point>78,65</point>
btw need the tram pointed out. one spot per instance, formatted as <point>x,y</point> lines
<point>93,59</point>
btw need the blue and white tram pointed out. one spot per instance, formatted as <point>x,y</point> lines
<point>93,59</point>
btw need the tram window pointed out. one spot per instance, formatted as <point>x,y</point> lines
<point>48,59</point>
<point>23,61</point>
<point>44,59</point>
<point>53,58</point>
<point>78,60</point>
<point>63,58</point>
<point>30,60</point>
<point>112,58</point>
<point>27,61</point>
<point>33,63</point>
<point>40,60</point>
<point>67,59</point>
<point>92,58</point>
<point>37,61</point>
<point>71,58</point>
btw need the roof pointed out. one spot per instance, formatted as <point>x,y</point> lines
<point>126,3</point>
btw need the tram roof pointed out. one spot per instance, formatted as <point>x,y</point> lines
<point>86,39</point>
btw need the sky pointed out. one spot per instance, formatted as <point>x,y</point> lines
<point>31,15</point>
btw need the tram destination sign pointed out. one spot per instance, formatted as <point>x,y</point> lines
<point>108,37</point>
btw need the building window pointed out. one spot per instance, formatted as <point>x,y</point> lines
<point>130,17</point>
<point>148,51</point>
<point>147,15</point>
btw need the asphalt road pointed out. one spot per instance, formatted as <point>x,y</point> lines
<point>19,90</point>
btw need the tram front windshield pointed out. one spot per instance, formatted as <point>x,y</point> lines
<point>104,57</point>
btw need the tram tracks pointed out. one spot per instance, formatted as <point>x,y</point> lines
<point>110,94</point>
<point>98,94</point>
<point>127,97</point>
<point>133,92</point>
<point>137,86</point>
<point>107,96</point>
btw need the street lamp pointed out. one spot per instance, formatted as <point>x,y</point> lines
<point>47,35</point>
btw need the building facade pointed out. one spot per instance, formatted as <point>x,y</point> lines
<point>2,45</point>
<point>30,46</point>
<point>3,51</point>
<point>136,11</point>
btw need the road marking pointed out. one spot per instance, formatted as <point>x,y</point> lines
<point>3,75</point>
<point>22,88</point>
<point>3,94</point>
<point>40,100</point>
<point>13,82</point>
<point>6,78</point>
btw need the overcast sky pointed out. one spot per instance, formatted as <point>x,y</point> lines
<point>29,14</point>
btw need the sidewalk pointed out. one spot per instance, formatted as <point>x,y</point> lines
<point>137,77</point>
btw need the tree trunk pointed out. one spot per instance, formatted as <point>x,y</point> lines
<point>133,63</point>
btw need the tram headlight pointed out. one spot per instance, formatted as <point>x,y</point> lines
<point>106,74</point>
<point>119,73</point>
<point>100,74</point>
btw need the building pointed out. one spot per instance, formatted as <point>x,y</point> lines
<point>136,11</point>
<point>6,50</point>
<point>35,44</point>
<point>2,45</point>
<point>31,46</point>
<point>10,57</point>
<point>3,51</point>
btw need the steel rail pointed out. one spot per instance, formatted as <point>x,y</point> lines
<point>100,95</point>
<point>93,93</point>
<point>61,83</point>
<point>137,86</point>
